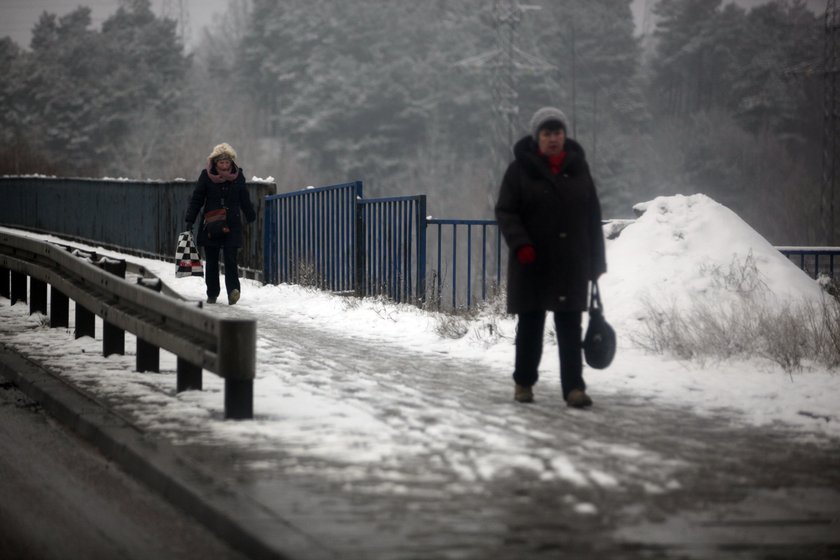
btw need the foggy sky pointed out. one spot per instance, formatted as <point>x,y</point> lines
<point>17,17</point>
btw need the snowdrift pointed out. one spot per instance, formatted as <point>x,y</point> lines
<point>684,250</point>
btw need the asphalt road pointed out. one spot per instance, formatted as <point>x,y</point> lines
<point>59,498</point>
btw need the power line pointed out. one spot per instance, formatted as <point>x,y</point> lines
<point>503,63</point>
<point>831,119</point>
<point>179,11</point>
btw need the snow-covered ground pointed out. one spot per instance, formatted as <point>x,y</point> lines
<point>678,251</point>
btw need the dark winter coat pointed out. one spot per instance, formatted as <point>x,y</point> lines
<point>209,195</point>
<point>560,216</point>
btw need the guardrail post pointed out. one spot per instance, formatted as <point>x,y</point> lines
<point>4,282</point>
<point>85,322</point>
<point>188,376</point>
<point>239,399</point>
<point>18,287</point>
<point>359,259</point>
<point>237,355</point>
<point>113,337</point>
<point>148,355</point>
<point>37,296</point>
<point>59,309</point>
<point>85,319</point>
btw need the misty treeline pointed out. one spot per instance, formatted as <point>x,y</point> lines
<point>404,95</point>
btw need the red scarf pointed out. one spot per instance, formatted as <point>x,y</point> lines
<point>222,176</point>
<point>555,163</point>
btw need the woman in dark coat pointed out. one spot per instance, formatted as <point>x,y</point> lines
<point>221,185</point>
<point>550,216</point>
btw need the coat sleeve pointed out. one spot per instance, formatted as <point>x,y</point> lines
<point>509,211</point>
<point>197,199</point>
<point>245,199</point>
<point>598,257</point>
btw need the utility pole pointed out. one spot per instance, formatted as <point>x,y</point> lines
<point>504,61</point>
<point>831,120</point>
<point>180,12</point>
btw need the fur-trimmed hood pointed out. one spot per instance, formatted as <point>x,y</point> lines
<point>223,149</point>
<point>527,155</point>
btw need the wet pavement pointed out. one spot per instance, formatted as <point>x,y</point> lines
<point>629,479</point>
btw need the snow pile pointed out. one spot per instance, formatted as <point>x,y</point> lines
<point>685,250</point>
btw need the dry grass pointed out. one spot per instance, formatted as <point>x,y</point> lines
<point>755,325</point>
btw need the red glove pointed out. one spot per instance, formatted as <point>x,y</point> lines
<point>526,254</point>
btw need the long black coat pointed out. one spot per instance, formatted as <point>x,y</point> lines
<point>559,215</point>
<point>208,195</point>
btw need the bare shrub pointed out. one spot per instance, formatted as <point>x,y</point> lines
<point>744,323</point>
<point>663,330</point>
<point>307,275</point>
<point>489,314</point>
<point>784,336</point>
<point>484,319</point>
<point>452,326</point>
<point>741,276</point>
<point>748,328</point>
<point>824,327</point>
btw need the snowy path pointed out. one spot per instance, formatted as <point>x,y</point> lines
<point>385,440</point>
<point>384,450</point>
<point>472,473</point>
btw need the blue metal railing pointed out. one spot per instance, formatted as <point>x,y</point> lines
<point>335,239</point>
<point>814,260</point>
<point>311,237</point>
<point>479,270</point>
<point>394,241</point>
<point>141,216</point>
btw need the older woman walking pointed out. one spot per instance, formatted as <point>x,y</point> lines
<point>220,191</point>
<point>550,216</point>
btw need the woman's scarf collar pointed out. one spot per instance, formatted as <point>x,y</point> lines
<point>555,163</point>
<point>222,176</point>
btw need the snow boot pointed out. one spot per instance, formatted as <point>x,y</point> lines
<point>523,394</point>
<point>577,398</point>
<point>233,297</point>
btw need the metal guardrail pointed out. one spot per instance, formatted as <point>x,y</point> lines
<point>199,339</point>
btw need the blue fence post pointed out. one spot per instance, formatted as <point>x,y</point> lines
<point>269,236</point>
<point>421,249</point>
<point>360,245</point>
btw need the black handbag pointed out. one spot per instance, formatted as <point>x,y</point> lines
<point>215,223</point>
<point>599,342</point>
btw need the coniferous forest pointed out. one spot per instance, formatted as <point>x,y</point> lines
<point>410,97</point>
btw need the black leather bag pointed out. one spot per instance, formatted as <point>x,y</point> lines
<point>599,341</point>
